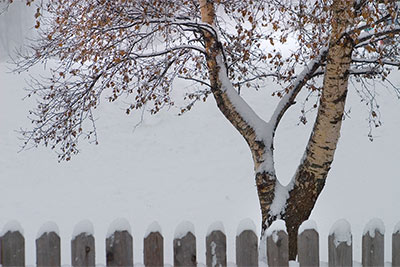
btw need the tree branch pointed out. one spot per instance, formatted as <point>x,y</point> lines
<point>288,99</point>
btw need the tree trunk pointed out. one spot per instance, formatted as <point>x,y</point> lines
<point>311,174</point>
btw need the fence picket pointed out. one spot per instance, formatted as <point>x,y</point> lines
<point>247,249</point>
<point>308,248</point>
<point>339,254</point>
<point>48,250</point>
<point>185,250</point>
<point>119,249</point>
<point>396,249</point>
<point>12,249</point>
<point>153,250</point>
<point>216,249</point>
<point>119,246</point>
<point>278,249</point>
<point>83,250</point>
<point>373,249</point>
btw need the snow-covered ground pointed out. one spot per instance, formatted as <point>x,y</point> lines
<point>193,168</point>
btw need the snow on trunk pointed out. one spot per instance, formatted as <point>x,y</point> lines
<point>262,129</point>
<point>281,196</point>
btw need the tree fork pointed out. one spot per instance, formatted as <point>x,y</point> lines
<point>312,172</point>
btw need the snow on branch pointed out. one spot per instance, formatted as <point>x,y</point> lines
<point>260,127</point>
<point>161,53</point>
<point>372,36</point>
<point>288,99</point>
<point>376,61</point>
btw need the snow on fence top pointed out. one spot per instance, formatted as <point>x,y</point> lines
<point>245,224</point>
<point>374,225</point>
<point>183,229</point>
<point>341,230</point>
<point>276,226</point>
<point>12,226</point>
<point>84,251</point>
<point>119,225</point>
<point>154,227</point>
<point>216,226</point>
<point>83,227</point>
<point>396,228</point>
<point>47,228</point>
<point>308,225</point>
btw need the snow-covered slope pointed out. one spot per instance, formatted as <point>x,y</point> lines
<point>194,167</point>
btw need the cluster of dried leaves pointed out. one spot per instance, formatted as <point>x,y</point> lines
<point>138,48</point>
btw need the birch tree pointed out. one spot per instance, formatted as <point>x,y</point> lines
<point>138,48</point>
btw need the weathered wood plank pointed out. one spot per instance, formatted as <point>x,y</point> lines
<point>247,249</point>
<point>48,250</point>
<point>216,249</point>
<point>83,250</point>
<point>153,250</point>
<point>12,249</point>
<point>185,250</point>
<point>308,248</point>
<point>119,249</point>
<point>278,249</point>
<point>373,249</point>
<point>396,249</point>
<point>339,253</point>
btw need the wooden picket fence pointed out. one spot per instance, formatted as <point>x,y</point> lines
<point>119,249</point>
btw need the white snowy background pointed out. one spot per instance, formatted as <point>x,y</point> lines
<point>173,168</point>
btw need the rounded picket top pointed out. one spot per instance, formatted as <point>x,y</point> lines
<point>246,225</point>
<point>11,227</point>
<point>216,245</point>
<point>183,229</point>
<point>47,228</point>
<point>84,227</point>
<point>308,225</point>
<point>246,244</point>
<point>374,225</point>
<point>119,225</point>
<point>340,245</point>
<point>215,227</point>
<point>119,244</point>
<point>12,245</point>
<point>341,231</point>
<point>154,227</point>
<point>396,229</point>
